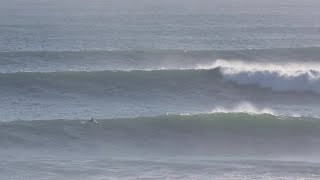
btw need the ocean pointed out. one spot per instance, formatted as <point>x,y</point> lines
<point>180,89</point>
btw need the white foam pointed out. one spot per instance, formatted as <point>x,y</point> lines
<point>284,69</point>
<point>244,107</point>
<point>279,77</point>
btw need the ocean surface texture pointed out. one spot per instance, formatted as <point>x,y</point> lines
<point>180,89</point>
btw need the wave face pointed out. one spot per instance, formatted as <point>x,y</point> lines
<point>223,134</point>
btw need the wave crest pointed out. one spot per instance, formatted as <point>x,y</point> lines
<point>278,77</point>
<point>244,107</point>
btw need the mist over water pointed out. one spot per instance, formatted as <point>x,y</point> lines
<point>180,89</point>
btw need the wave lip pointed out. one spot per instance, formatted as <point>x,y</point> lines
<point>278,77</point>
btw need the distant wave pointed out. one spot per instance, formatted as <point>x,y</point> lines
<point>54,61</point>
<point>290,78</point>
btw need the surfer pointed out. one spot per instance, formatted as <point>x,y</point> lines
<point>92,121</point>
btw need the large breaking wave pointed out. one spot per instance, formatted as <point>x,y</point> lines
<point>278,76</point>
<point>272,77</point>
<point>293,69</point>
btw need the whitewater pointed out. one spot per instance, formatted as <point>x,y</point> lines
<point>180,90</point>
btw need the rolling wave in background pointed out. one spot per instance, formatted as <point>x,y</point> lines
<point>90,60</point>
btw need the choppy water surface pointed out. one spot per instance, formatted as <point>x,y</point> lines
<point>181,90</point>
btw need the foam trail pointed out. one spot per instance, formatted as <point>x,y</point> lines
<point>278,77</point>
<point>248,108</point>
<point>244,107</point>
<point>283,69</point>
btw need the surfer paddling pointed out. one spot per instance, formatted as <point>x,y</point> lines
<point>92,121</point>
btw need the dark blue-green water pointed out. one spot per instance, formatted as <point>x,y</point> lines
<point>181,89</point>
